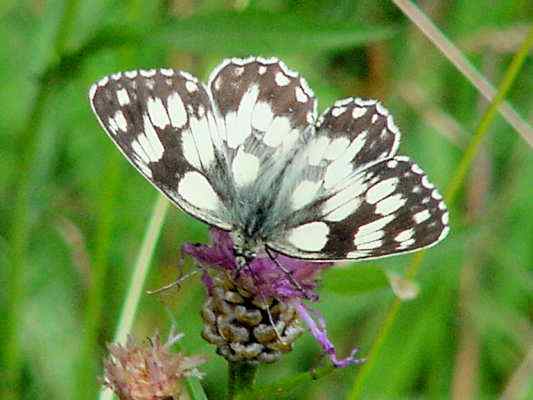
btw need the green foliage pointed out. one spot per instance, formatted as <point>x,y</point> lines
<point>74,213</point>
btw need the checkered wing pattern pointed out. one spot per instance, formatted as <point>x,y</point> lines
<point>162,121</point>
<point>356,199</point>
<point>265,111</point>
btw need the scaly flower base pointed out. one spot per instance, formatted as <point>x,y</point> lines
<point>238,323</point>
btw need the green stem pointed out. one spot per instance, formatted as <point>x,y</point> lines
<point>241,378</point>
<point>140,272</point>
<point>451,195</point>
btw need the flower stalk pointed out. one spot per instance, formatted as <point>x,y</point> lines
<point>241,377</point>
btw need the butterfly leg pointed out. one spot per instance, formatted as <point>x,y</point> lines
<point>287,273</point>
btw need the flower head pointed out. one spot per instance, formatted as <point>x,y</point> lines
<point>148,371</point>
<point>259,297</point>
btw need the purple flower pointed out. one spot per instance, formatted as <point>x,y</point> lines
<point>265,278</point>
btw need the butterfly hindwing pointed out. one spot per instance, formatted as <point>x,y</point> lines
<point>163,123</point>
<point>389,208</point>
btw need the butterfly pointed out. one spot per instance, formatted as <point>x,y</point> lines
<point>246,153</point>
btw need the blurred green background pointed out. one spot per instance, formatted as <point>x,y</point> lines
<point>73,212</point>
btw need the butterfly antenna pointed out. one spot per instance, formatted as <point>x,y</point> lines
<point>176,283</point>
<point>287,273</point>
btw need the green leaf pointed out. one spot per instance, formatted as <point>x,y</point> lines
<point>266,33</point>
<point>355,280</point>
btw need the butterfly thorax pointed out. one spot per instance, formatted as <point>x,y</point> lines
<point>245,248</point>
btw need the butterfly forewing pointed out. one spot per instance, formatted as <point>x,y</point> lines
<point>162,121</point>
<point>264,111</point>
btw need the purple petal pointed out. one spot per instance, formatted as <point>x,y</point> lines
<point>318,330</point>
<point>262,275</point>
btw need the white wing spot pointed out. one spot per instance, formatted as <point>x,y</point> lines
<point>407,243</point>
<point>375,118</point>
<point>342,211</point>
<point>202,137</point>
<point>131,74</point>
<point>113,125</point>
<point>316,150</point>
<point>218,83</point>
<point>338,111</point>
<point>158,113</point>
<point>363,237</point>
<point>390,204</point>
<point>374,226</point>
<point>436,195</point>
<point>426,183</point>
<point>309,237</point>
<point>245,168</point>
<point>240,128</point>
<point>281,79</point>
<point>238,71</point>
<point>195,189</point>
<point>442,206</point>
<point>188,76</point>
<point>362,102</point>
<point>445,218</point>
<point>138,150</point>
<point>122,97</point>
<point>176,110</point>
<point>147,73</point>
<point>300,95</point>
<point>262,116</point>
<point>404,235</point>
<point>167,72</point>
<point>381,110</point>
<point>304,193</point>
<point>416,169</point>
<point>392,164</point>
<point>120,121</point>
<point>190,86</point>
<point>376,244</point>
<point>262,69</point>
<point>421,216</point>
<point>155,143</point>
<point>103,81</point>
<point>381,190</point>
<point>116,76</point>
<point>190,151</point>
<point>279,128</point>
<point>358,112</point>
<point>336,148</point>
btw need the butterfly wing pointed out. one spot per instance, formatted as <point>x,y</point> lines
<point>264,110</point>
<point>356,199</point>
<point>162,121</point>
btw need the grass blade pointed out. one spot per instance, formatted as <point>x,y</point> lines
<point>454,55</point>
<point>140,272</point>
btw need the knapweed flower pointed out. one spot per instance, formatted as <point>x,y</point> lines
<point>148,371</point>
<point>255,314</point>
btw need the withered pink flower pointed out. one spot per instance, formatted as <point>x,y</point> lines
<point>148,371</point>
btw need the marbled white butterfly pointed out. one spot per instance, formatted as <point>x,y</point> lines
<point>246,153</point>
